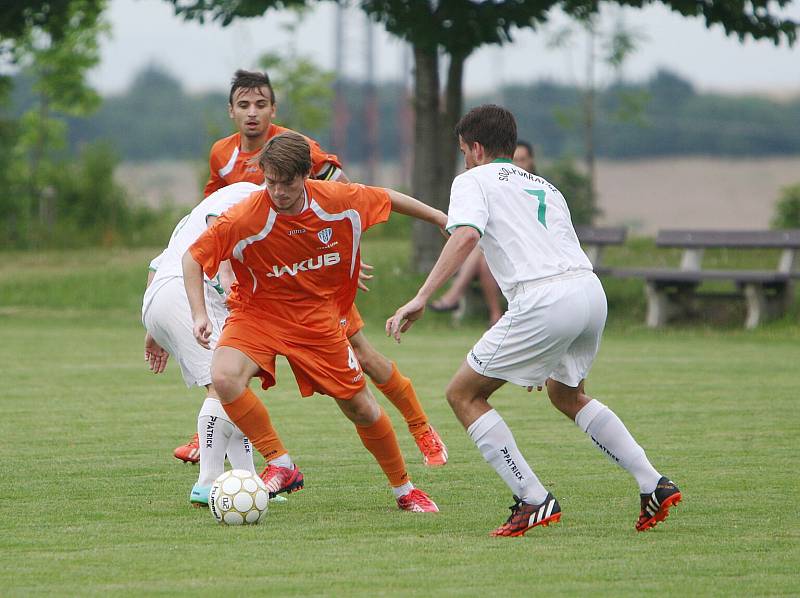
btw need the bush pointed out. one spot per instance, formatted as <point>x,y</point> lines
<point>574,186</point>
<point>787,210</point>
<point>86,207</point>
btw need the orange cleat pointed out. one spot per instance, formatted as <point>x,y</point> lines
<point>655,506</point>
<point>417,501</point>
<point>434,452</point>
<point>279,479</point>
<point>525,516</point>
<point>189,452</point>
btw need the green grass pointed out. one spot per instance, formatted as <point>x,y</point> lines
<point>94,503</point>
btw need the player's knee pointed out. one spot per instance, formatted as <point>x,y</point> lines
<point>227,384</point>
<point>563,398</point>
<point>456,396</point>
<point>362,409</point>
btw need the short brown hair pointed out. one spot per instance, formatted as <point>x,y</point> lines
<point>287,154</point>
<point>243,79</point>
<point>493,127</point>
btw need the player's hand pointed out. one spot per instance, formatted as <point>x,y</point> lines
<point>202,331</point>
<point>155,355</point>
<point>404,317</point>
<point>364,276</point>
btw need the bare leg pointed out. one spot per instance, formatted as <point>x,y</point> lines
<point>491,292</point>
<point>462,280</point>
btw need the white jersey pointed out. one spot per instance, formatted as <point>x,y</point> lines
<point>525,226</point>
<point>168,264</point>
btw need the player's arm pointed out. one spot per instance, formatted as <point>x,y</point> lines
<point>195,293</point>
<point>458,247</point>
<point>405,204</point>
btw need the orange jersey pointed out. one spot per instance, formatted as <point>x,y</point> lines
<point>296,274</point>
<point>229,164</point>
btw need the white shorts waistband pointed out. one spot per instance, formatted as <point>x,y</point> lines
<point>527,285</point>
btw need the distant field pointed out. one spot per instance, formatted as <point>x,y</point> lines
<point>643,194</point>
<point>93,502</point>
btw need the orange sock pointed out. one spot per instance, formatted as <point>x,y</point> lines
<point>399,390</point>
<point>249,413</point>
<point>380,440</point>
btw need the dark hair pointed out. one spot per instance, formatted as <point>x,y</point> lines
<point>287,154</point>
<point>243,79</point>
<point>526,145</point>
<point>493,127</point>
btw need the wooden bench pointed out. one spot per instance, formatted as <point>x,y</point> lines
<point>673,291</point>
<point>594,240</point>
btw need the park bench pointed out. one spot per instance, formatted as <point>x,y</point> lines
<point>674,291</point>
<point>594,240</point>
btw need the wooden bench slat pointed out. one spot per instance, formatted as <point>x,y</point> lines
<point>608,235</point>
<point>677,275</point>
<point>778,239</point>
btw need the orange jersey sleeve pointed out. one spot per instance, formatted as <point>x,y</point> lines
<point>372,203</point>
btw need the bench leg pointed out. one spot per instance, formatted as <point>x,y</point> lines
<point>658,305</point>
<point>763,306</point>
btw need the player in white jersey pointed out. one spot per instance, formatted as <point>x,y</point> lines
<point>168,320</point>
<point>552,329</point>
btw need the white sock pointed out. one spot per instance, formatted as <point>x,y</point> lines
<point>240,451</point>
<point>611,436</point>
<point>213,431</point>
<point>402,490</point>
<point>283,461</point>
<point>496,443</point>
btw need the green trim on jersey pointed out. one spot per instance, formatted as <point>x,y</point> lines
<point>151,269</point>
<point>450,228</point>
<point>502,161</point>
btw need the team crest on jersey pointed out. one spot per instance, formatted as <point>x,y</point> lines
<point>325,235</point>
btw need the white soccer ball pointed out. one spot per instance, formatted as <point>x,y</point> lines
<point>238,497</point>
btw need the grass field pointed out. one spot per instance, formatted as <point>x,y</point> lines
<point>94,503</point>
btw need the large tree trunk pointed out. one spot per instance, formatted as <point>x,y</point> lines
<point>424,179</point>
<point>435,146</point>
<point>448,142</point>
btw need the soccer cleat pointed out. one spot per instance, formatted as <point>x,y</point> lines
<point>417,501</point>
<point>434,452</point>
<point>189,452</point>
<point>279,479</point>
<point>524,516</point>
<point>199,495</point>
<point>655,506</point>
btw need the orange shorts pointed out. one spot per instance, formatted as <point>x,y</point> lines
<point>352,322</point>
<point>328,368</point>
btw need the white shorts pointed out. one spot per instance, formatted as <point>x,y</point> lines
<point>552,329</point>
<point>168,319</point>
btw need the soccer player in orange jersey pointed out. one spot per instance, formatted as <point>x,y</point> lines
<point>294,248</point>
<point>252,107</point>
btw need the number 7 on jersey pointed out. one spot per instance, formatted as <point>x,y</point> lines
<point>539,194</point>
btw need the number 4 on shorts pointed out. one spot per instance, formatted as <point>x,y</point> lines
<point>539,194</point>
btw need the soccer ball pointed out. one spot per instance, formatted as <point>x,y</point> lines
<point>238,497</point>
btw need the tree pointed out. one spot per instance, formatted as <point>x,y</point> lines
<point>305,91</point>
<point>54,43</point>
<point>456,28</point>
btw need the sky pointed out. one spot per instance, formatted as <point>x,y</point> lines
<point>203,57</point>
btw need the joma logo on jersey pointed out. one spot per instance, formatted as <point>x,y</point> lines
<point>313,263</point>
<point>325,235</point>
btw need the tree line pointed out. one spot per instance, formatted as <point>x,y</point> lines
<point>155,119</point>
